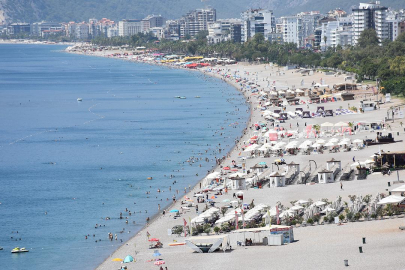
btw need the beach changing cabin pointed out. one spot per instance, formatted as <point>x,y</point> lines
<point>325,176</point>
<point>277,180</point>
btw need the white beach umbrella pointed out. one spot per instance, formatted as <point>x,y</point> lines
<point>297,207</point>
<point>343,142</point>
<point>329,144</point>
<point>358,141</point>
<point>316,145</point>
<point>327,124</point>
<point>301,202</point>
<point>341,124</point>
<point>320,203</point>
<point>334,140</point>
<point>320,141</point>
<point>369,161</point>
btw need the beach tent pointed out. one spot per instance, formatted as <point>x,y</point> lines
<point>128,259</point>
<point>211,241</point>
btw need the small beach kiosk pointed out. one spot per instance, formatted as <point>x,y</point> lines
<point>274,235</point>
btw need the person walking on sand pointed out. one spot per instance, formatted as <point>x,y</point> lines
<point>354,159</point>
<point>341,186</point>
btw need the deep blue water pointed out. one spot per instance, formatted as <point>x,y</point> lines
<point>66,165</point>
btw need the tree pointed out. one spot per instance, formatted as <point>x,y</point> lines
<point>368,38</point>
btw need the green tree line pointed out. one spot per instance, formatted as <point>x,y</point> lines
<point>368,59</point>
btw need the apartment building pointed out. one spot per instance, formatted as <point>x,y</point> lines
<point>257,21</point>
<point>370,15</point>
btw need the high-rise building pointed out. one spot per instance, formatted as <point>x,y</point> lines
<point>38,28</point>
<point>18,28</point>
<point>292,30</point>
<point>152,21</point>
<point>370,15</point>
<point>196,21</point>
<point>257,21</point>
<point>225,29</point>
<point>309,21</point>
<point>337,32</point>
<point>129,27</point>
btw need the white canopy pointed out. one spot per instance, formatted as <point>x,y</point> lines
<point>392,199</point>
<point>399,189</point>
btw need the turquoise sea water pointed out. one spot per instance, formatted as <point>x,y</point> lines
<point>67,165</point>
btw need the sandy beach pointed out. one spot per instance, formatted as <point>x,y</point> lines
<point>316,247</point>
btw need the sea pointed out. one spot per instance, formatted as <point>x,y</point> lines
<point>68,168</point>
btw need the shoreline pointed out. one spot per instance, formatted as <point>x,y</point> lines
<point>156,216</point>
<point>137,246</point>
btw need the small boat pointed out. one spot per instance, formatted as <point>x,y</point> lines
<point>197,97</point>
<point>182,97</point>
<point>79,99</point>
<point>1,248</point>
<point>149,178</point>
<point>19,250</point>
<point>177,96</point>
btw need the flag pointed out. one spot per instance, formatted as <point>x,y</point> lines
<point>278,215</point>
<point>185,227</point>
<point>191,228</point>
<point>243,218</point>
<point>147,234</point>
<point>236,221</point>
<point>268,213</point>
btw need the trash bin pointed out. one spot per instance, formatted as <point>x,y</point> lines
<point>265,241</point>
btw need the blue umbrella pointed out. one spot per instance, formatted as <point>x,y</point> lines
<point>174,211</point>
<point>157,254</point>
<point>262,163</point>
<point>128,259</point>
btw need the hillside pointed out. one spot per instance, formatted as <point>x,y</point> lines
<point>79,10</point>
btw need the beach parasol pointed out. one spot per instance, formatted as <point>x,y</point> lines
<point>358,141</point>
<point>128,259</point>
<point>159,263</point>
<point>156,254</point>
<point>117,260</point>
<point>174,211</point>
<point>226,168</point>
<point>226,200</point>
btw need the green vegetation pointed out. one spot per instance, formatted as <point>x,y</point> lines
<point>369,61</point>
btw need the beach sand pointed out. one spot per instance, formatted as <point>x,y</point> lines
<point>317,247</point>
